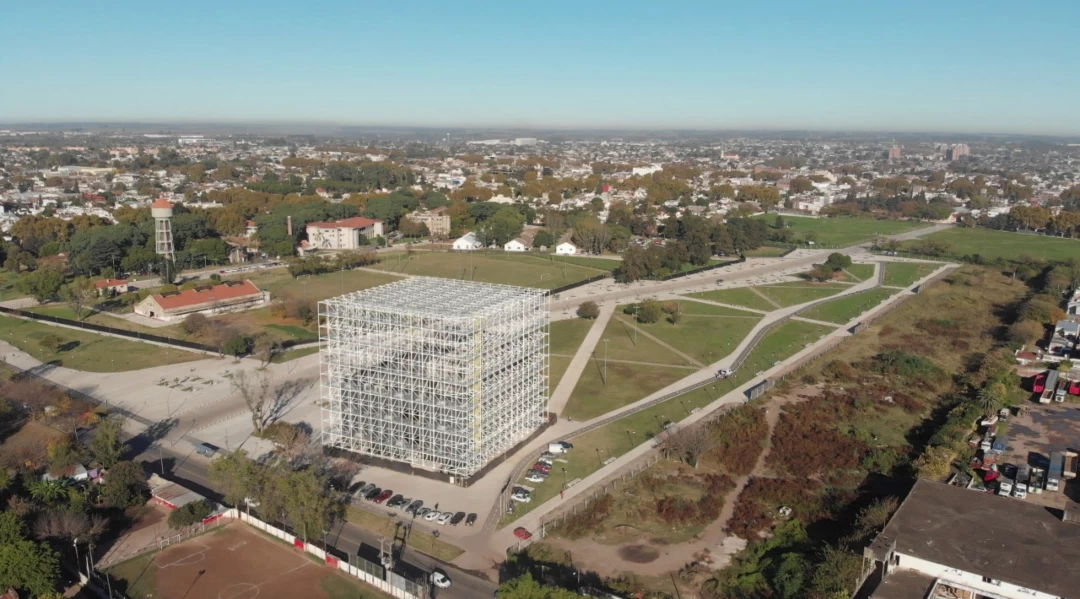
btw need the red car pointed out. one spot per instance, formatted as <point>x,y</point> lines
<point>384,496</point>
<point>522,534</point>
<point>542,467</point>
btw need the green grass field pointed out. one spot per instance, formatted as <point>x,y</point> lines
<point>597,262</point>
<point>622,344</point>
<point>704,337</point>
<point>556,369</point>
<point>506,269</point>
<point>627,383</point>
<point>319,287</point>
<point>765,251</point>
<point>902,274</point>
<point>1004,244</point>
<point>781,342</point>
<point>83,350</point>
<point>736,296</point>
<point>293,354</point>
<point>861,271</point>
<point>843,309</point>
<point>565,336</point>
<point>800,292</point>
<point>843,231</point>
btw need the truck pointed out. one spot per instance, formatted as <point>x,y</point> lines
<point>1053,471</point>
<point>1069,468</point>
<point>1062,389</point>
<point>1020,490</point>
<point>1005,487</point>
<point>1000,444</point>
<point>1035,481</point>
<point>556,448</point>
<point>1049,387</point>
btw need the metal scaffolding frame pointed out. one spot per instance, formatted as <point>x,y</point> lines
<point>442,374</point>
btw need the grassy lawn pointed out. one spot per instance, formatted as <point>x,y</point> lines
<point>783,341</point>
<point>620,343</point>
<point>294,354</point>
<point>138,575</point>
<point>105,320</point>
<point>902,274</point>
<point>1004,244</point>
<point>843,231</point>
<point>597,262</point>
<point>692,308</point>
<point>507,269</point>
<point>418,539</point>
<point>843,309</point>
<point>861,271</point>
<point>800,292</point>
<point>627,383</point>
<point>320,287</point>
<point>706,338</point>
<point>566,335</point>
<point>88,351</point>
<point>556,369</point>
<point>7,286</point>
<point>765,251</point>
<point>737,296</point>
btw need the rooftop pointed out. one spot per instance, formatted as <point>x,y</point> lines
<point>904,584</point>
<point>998,537</point>
<point>356,222</point>
<point>438,297</point>
<point>210,293</point>
<point>161,203</point>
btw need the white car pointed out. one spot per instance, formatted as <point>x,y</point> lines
<point>440,580</point>
<point>523,498</point>
<point>533,478</point>
<point>723,373</point>
<point>443,519</point>
<point>432,515</point>
<point>546,460</point>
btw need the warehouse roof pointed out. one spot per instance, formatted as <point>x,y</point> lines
<point>230,290</point>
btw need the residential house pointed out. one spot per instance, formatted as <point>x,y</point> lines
<point>518,245</point>
<point>566,249</point>
<point>949,541</point>
<point>467,242</point>
<point>343,234</point>
<point>231,296</point>
<point>111,287</point>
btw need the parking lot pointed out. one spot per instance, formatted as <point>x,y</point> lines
<point>1034,434</point>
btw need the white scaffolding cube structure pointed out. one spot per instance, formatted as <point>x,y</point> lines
<point>441,374</point>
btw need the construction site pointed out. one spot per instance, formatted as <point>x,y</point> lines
<point>442,375</point>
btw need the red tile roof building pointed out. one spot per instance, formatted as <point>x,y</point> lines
<point>208,299</point>
<point>343,234</point>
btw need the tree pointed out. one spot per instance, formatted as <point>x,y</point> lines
<point>836,573</point>
<point>237,476</point>
<point>29,566</point>
<point>688,443</point>
<point>820,273</point>
<point>504,225</point>
<point>266,347</point>
<point>79,295</point>
<point>837,261</point>
<point>255,389</point>
<point>51,342</point>
<point>42,284</point>
<point>779,223</point>
<point>236,346</point>
<point>195,324</point>
<point>588,310</point>
<point>125,486</point>
<point>544,238</point>
<point>106,446</point>
<point>1025,332</point>
<point>526,587</point>
<point>311,506</point>
<point>190,513</point>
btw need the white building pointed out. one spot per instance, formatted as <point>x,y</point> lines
<point>517,245</point>
<point>467,242</point>
<point>343,234</point>
<point>948,541</point>
<point>566,249</point>
<point>642,171</point>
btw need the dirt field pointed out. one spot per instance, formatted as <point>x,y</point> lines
<point>234,562</point>
<point>1033,435</point>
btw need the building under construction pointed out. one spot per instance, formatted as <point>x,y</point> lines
<point>441,374</point>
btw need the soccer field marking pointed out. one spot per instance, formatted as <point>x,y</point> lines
<point>187,560</point>
<point>244,591</point>
<point>238,545</point>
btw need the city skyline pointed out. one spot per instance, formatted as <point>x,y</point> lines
<point>779,66</point>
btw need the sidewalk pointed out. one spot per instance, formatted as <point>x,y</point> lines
<point>581,359</point>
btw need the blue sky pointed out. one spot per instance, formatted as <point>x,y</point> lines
<point>898,65</point>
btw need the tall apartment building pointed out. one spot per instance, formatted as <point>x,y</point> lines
<point>437,221</point>
<point>894,152</point>
<point>957,151</point>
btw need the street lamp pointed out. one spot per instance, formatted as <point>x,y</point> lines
<point>605,360</point>
<point>684,407</point>
<point>630,434</point>
<point>598,458</point>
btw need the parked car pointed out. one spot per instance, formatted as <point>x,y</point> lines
<point>723,373</point>
<point>364,490</point>
<point>566,445</point>
<point>541,467</point>
<point>444,518</point>
<point>381,497</point>
<point>548,455</point>
<point>414,506</point>
<point>205,449</point>
<point>422,512</point>
<point>432,515</point>
<point>458,517</point>
<point>536,477</point>
<point>440,579</point>
<point>543,460</point>
<point>521,496</point>
<point>372,494</point>
<point>394,501</point>
<point>470,520</point>
<point>404,502</point>
<point>355,487</point>
<point>521,533</point>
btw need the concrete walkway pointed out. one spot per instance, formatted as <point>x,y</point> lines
<point>562,392</point>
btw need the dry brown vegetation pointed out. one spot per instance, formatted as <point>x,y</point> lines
<point>740,437</point>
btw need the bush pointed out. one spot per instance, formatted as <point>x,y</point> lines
<point>588,310</point>
<point>1025,332</point>
<point>237,345</point>
<point>190,514</point>
<point>195,324</point>
<point>52,343</point>
<point>649,312</point>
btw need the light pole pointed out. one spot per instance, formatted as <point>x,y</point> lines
<point>564,478</point>
<point>684,407</point>
<point>605,360</point>
<point>630,435</point>
<point>598,459</point>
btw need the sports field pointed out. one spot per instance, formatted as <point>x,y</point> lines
<point>507,269</point>
<point>992,244</point>
<point>234,562</point>
<point>842,231</point>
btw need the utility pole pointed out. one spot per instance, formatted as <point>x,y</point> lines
<point>605,360</point>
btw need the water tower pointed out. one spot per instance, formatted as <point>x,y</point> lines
<point>163,237</point>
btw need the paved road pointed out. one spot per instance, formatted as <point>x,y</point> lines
<point>346,537</point>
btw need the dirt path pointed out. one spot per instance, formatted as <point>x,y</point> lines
<point>667,346</point>
<point>766,298</point>
<point>652,559</point>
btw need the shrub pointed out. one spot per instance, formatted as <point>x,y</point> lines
<point>1025,332</point>
<point>190,514</point>
<point>588,519</point>
<point>838,370</point>
<point>649,312</point>
<point>739,435</point>
<point>195,324</point>
<point>588,310</point>
<point>52,343</point>
<point>237,345</point>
